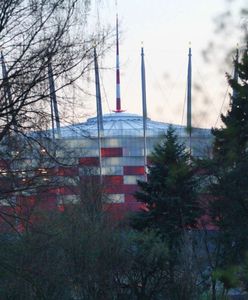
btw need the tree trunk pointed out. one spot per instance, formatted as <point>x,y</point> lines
<point>214,289</point>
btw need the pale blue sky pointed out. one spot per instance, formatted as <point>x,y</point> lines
<point>166,27</point>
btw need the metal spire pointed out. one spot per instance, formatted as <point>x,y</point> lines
<point>52,118</point>
<point>143,86</point>
<point>189,99</point>
<point>53,98</point>
<point>118,89</point>
<point>99,111</point>
<point>189,87</point>
<point>7,92</point>
<point>98,93</point>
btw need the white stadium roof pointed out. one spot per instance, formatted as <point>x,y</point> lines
<point>125,124</point>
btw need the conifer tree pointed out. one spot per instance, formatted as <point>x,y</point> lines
<point>169,194</point>
<point>230,145</point>
<point>170,200</point>
<point>229,209</point>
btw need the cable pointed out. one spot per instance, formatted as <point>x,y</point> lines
<point>104,92</point>
<point>221,106</point>
<point>184,104</point>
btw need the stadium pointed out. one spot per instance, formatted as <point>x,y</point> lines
<point>113,147</point>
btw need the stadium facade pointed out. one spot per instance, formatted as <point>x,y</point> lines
<point>118,156</point>
<point>113,147</point>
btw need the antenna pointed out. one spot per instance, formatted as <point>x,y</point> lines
<point>189,99</point>
<point>99,111</point>
<point>7,92</point>
<point>118,89</point>
<point>52,118</point>
<point>98,92</point>
<point>143,88</point>
<point>53,98</point>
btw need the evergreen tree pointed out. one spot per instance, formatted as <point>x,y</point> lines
<point>169,195</point>
<point>230,145</point>
<point>229,209</point>
<point>170,200</point>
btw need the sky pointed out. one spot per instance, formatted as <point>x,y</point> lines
<point>166,27</point>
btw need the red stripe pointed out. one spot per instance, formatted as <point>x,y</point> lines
<point>109,179</point>
<point>117,76</point>
<point>130,198</point>
<point>118,104</point>
<point>89,161</point>
<point>111,152</point>
<point>121,189</point>
<point>134,170</point>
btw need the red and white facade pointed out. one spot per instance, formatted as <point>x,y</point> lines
<point>122,160</point>
<point>47,183</point>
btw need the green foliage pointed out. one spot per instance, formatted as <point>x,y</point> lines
<point>229,183</point>
<point>231,141</point>
<point>229,210</point>
<point>148,249</point>
<point>228,277</point>
<point>66,256</point>
<point>171,208</point>
<point>243,274</point>
<point>78,255</point>
<point>145,274</point>
<point>170,191</point>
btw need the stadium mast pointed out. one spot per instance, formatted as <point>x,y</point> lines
<point>143,88</point>
<point>118,88</point>
<point>7,92</point>
<point>98,109</point>
<point>189,98</point>
<point>54,103</point>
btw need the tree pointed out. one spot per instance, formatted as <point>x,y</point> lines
<point>169,197</point>
<point>36,36</point>
<point>33,36</point>
<point>230,207</point>
<point>81,254</point>
<point>63,255</point>
<point>169,194</point>
<point>230,144</point>
<point>145,273</point>
<point>228,181</point>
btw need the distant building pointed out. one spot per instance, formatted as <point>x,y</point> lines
<point>122,160</point>
<point>49,169</point>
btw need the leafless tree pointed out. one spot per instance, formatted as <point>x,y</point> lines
<point>35,35</point>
